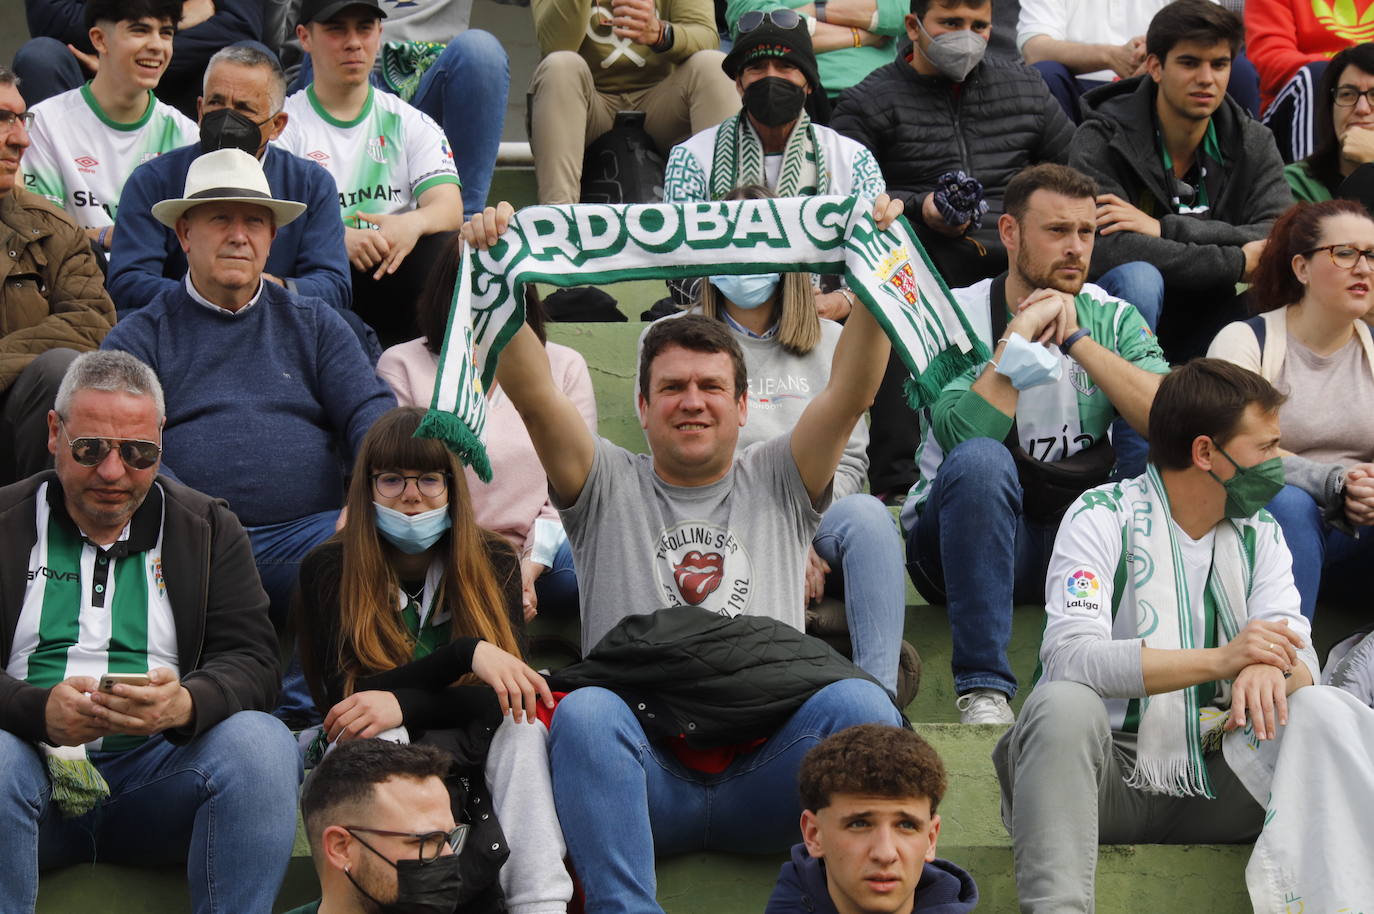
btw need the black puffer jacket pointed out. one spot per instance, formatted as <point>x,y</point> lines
<point>717,680</point>
<point>1001,119</point>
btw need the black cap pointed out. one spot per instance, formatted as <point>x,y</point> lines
<point>324,10</point>
<point>767,40</point>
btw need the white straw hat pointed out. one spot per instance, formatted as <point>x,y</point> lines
<point>226,176</point>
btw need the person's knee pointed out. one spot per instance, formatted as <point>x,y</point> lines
<point>256,752</point>
<point>43,52</point>
<point>1053,71</point>
<point>857,701</point>
<point>1295,510</point>
<point>859,516</point>
<point>1139,283</point>
<point>983,460</point>
<point>1062,713</point>
<point>50,367</point>
<point>477,50</point>
<point>24,779</point>
<point>558,67</point>
<point>586,718</point>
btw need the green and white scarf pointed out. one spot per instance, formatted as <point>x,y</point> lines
<point>1177,727</point>
<point>600,243</point>
<point>738,159</point>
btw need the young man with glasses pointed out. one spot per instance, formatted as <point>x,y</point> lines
<point>660,58</point>
<point>271,391</point>
<point>1190,182</point>
<point>86,142</point>
<point>380,824</point>
<point>50,293</point>
<point>109,568</point>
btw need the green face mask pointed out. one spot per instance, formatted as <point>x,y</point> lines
<point>1252,487</point>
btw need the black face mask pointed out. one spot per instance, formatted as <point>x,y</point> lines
<point>421,888</point>
<point>773,101</point>
<point>225,128</point>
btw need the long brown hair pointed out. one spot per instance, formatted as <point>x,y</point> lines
<point>794,309</point>
<point>1295,232</point>
<point>372,637</point>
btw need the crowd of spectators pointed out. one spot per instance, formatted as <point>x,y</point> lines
<point>234,230</point>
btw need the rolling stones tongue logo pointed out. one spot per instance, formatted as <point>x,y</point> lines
<point>698,575</point>
<point>704,565</point>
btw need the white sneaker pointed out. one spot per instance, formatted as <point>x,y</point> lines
<point>984,706</point>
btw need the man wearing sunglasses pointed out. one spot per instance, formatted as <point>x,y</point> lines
<point>111,570</point>
<point>381,830</point>
<point>51,297</point>
<point>271,391</point>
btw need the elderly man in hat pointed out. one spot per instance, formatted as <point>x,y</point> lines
<point>270,392</point>
<point>138,659</point>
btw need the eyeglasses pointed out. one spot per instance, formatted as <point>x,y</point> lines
<point>430,844</point>
<point>1349,96</point>
<point>393,485</point>
<point>1344,256</point>
<point>136,453</point>
<point>9,118</point>
<point>784,19</point>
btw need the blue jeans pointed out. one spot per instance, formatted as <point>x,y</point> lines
<point>1142,285</point>
<point>225,803</point>
<point>277,551</point>
<point>1325,560</point>
<point>622,798</point>
<point>857,539</point>
<point>556,589</point>
<point>973,550</point>
<point>465,91</point>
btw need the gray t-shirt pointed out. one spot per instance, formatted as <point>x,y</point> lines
<point>1329,414</point>
<point>737,545</point>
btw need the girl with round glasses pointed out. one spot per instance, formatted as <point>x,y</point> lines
<point>409,622</point>
<point>1343,128</point>
<point>1313,287</point>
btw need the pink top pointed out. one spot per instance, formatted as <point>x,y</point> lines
<point>519,491</point>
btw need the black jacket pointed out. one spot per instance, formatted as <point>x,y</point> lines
<point>225,644</point>
<point>1117,146</point>
<point>716,680</point>
<point>1000,119</point>
<point>944,888</point>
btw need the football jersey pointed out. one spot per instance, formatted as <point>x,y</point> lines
<point>382,160</point>
<point>79,158</point>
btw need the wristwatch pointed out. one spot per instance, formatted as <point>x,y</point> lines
<point>665,41</point>
<point>820,10</point>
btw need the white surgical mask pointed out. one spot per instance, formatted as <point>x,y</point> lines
<point>1028,364</point>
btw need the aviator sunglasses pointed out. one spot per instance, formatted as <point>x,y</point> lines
<point>89,452</point>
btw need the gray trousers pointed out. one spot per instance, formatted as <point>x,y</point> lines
<point>24,415</point>
<point>1064,793</point>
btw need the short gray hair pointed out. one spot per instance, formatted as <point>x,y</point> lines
<point>7,77</point>
<point>109,370</point>
<point>245,55</point>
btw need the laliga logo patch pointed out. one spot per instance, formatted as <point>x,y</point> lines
<point>1084,593</point>
<point>703,565</point>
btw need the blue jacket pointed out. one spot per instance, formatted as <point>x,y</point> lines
<point>944,888</point>
<point>265,407</point>
<point>308,253</point>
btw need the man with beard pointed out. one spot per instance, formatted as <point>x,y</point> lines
<point>1008,446</point>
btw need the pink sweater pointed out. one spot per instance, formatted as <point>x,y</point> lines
<point>519,491</point>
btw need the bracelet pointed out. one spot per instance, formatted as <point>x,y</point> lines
<point>1073,338</point>
<point>820,10</point>
<point>849,297</point>
<point>858,38</point>
<point>665,40</point>
<point>101,236</point>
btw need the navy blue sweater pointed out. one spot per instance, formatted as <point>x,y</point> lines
<point>263,405</point>
<point>309,252</point>
<point>944,888</point>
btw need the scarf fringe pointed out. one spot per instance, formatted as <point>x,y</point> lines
<point>77,785</point>
<point>1174,777</point>
<point>455,433</point>
<point>922,390</point>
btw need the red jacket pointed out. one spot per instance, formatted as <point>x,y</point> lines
<point>1281,36</point>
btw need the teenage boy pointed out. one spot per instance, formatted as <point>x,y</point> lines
<point>399,193</point>
<point>86,142</point>
<point>1190,182</point>
<point>869,827</point>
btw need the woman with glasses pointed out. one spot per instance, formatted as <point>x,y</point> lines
<point>1343,133</point>
<point>407,621</point>
<point>1313,286</point>
<point>516,502</point>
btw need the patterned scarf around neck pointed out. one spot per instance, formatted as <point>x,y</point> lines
<point>738,159</point>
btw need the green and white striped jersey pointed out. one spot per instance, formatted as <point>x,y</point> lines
<point>79,158</point>
<point>382,160</point>
<point>89,611</point>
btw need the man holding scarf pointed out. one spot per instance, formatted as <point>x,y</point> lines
<point>1173,623</point>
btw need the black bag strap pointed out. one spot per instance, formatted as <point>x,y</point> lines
<point>1257,324</point>
<point>997,312</point>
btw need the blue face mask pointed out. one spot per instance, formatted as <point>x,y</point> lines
<point>747,292</point>
<point>412,533</point>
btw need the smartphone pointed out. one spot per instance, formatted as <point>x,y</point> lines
<point>109,680</point>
